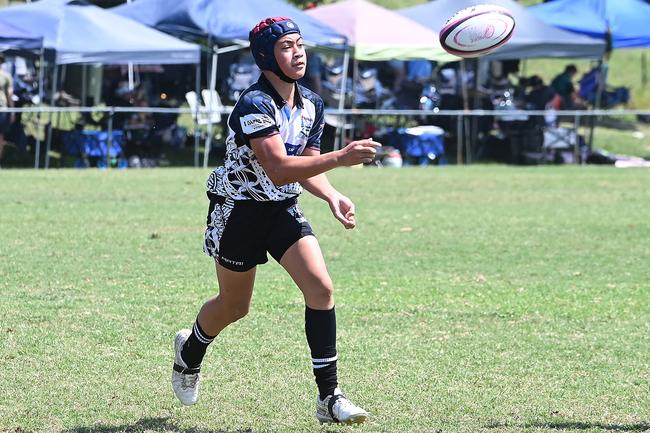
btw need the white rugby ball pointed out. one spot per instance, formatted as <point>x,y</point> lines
<point>477,30</point>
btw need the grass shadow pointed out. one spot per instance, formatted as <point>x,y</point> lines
<point>576,425</point>
<point>157,425</point>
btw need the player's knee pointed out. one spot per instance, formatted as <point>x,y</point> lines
<point>324,289</point>
<point>237,312</point>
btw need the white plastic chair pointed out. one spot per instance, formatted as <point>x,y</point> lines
<point>212,101</point>
<point>194,103</point>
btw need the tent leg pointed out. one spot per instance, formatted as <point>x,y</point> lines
<point>41,78</point>
<point>213,85</point>
<point>459,140</point>
<point>48,145</point>
<point>644,69</point>
<point>109,142</point>
<point>576,148</point>
<point>602,83</point>
<point>197,89</point>
<point>340,128</point>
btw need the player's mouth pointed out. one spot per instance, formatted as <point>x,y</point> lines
<point>298,65</point>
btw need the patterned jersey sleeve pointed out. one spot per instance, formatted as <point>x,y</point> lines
<point>319,123</point>
<point>255,115</point>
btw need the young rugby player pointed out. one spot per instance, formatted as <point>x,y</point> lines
<point>273,151</point>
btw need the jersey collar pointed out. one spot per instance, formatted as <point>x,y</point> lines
<point>297,95</point>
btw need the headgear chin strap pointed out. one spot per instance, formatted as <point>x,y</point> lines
<point>263,38</point>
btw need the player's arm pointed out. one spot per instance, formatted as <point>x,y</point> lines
<point>283,169</point>
<point>342,207</point>
<point>318,185</point>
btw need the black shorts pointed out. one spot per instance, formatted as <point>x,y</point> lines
<point>239,233</point>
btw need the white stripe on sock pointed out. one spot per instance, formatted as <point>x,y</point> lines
<point>199,335</point>
<point>320,360</point>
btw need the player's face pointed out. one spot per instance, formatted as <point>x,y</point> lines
<point>290,53</point>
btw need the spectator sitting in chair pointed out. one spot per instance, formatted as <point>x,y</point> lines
<point>563,86</point>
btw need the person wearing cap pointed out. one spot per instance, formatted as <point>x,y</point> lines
<point>272,153</point>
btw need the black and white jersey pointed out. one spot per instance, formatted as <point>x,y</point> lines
<point>260,112</point>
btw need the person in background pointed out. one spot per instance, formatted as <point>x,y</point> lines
<point>540,95</point>
<point>563,86</point>
<point>398,67</point>
<point>6,101</point>
<point>419,71</point>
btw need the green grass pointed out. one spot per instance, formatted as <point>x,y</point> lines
<point>470,299</point>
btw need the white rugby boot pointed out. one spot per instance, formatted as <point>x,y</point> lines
<point>337,408</point>
<point>185,381</point>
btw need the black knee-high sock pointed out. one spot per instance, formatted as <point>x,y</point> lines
<point>320,327</point>
<point>194,348</point>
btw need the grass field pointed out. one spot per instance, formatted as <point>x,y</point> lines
<point>470,299</point>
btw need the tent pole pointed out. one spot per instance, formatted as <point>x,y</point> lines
<point>465,106</point>
<point>644,69</point>
<point>213,85</point>
<point>475,105</point>
<point>599,90</point>
<point>84,84</point>
<point>41,78</point>
<point>340,128</point>
<point>48,145</point>
<point>197,89</point>
<point>355,77</point>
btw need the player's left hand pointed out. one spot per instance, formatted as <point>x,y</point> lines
<point>343,210</point>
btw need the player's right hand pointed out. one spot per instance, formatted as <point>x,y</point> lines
<point>358,152</point>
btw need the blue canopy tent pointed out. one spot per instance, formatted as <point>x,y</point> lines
<point>82,33</point>
<point>626,20</point>
<point>531,38</point>
<point>621,23</point>
<point>225,21</point>
<point>79,33</point>
<point>13,38</point>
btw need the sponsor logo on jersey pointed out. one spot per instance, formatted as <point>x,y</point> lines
<point>292,149</point>
<point>252,123</point>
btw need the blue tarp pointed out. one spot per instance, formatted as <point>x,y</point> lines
<point>14,38</point>
<point>82,33</point>
<point>223,20</point>
<point>629,20</point>
<point>531,38</point>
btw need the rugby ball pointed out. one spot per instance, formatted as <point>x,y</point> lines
<point>477,30</point>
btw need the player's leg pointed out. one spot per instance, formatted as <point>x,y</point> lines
<point>305,264</point>
<point>231,304</point>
